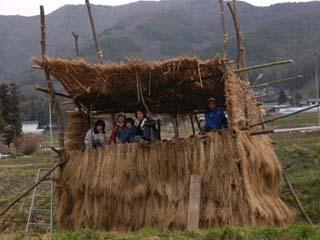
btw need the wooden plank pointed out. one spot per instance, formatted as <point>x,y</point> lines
<point>194,203</point>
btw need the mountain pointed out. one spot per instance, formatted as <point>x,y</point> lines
<point>164,29</point>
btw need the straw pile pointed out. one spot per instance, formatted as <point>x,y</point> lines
<point>128,187</point>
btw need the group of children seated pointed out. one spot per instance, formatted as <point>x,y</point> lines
<point>145,130</point>
<point>124,131</point>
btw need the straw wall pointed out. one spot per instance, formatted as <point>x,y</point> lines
<point>128,187</point>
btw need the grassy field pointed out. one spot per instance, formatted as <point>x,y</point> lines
<point>299,154</point>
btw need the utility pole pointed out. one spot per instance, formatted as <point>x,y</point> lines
<point>76,38</point>
<point>43,53</point>
<point>317,95</point>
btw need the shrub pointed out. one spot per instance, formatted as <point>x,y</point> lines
<point>27,144</point>
<point>29,150</point>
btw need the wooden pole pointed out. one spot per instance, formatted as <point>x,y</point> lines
<point>176,126</point>
<point>93,28</point>
<point>281,117</point>
<point>296,198</point>
<point>224,30</point>
<point>44,90</point>
<point>192,124</point>
<point>44,178</point>
<point>237,31</point>
<point>317,95</point>
<point>76,43</point>
<point>197,121</point>
<point>277,81</point>
<point>52,98</point>
<point>264,66</point>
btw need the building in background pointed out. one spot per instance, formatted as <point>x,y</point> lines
<point>31,127</point>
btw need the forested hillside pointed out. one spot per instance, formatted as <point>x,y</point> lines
<point>159,30</point>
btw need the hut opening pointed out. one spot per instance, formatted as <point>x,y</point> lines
<point>132,186</point>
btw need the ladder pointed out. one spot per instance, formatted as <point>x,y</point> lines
<point>41,209</point>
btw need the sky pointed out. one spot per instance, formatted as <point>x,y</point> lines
<point>31,7</point>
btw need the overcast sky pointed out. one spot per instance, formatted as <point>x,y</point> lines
<point>31,7</point>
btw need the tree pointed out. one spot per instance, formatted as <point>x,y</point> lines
<point>8,135</point>
<point>9,109</point>
<point>282,97</point>
<point>14,116</point>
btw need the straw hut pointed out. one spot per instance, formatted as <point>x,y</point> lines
<point>132,186</point>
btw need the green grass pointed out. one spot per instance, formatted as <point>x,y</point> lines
<point>300,156</point>
<point>293,232</point>
<point>299,120</point>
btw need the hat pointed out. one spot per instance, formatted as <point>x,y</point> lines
<point>211,100</point>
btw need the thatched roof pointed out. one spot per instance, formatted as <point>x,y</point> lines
<point>178,85</point>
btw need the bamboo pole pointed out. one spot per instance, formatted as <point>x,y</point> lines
<point>176,126</point>
<point>237,31</point>
<point>224,30</point>
<point>281,117</point>
<point>296,198</point>
<point>192,124</point>
<point>31,188</point>
<point>278,81</point>
<point>198,121</point>
<point>52,98</point>
<point>76,43</point>
<point>44,90</point>
<point>93,28</point>
<point>267,65</point>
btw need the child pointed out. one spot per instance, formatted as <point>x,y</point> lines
<point>96,136</point>
<point>129,133</point>
<point>146,129</point>
<point>117,129</point>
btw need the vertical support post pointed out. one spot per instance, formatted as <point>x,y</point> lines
<point>197,121</point>
<point>50,123</point>
<point>52,98</point>
<point>176,126</point>
<point>241,61</point>
<point>194,203</point>
<point>224,30</point>
<point>93,28</point>
<point>76,43</point>
<point>192,124</point>
<point>317,95</point>
<point>236,26</point>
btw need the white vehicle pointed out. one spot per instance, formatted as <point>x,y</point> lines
<point>4,156</point>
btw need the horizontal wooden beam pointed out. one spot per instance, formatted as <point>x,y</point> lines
<point>267,65</point>
<point>281,117</point>
<point>278,81</point>
<point>44,90</point>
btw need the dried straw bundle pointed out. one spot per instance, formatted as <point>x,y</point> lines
<point>128,187</point>
<point>77,129</point>
<point>188,82</point>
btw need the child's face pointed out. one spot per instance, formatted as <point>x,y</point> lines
<point>129,125</point>
<point>99,128</point>
<point>122,119</point>
<point>140,116</point>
